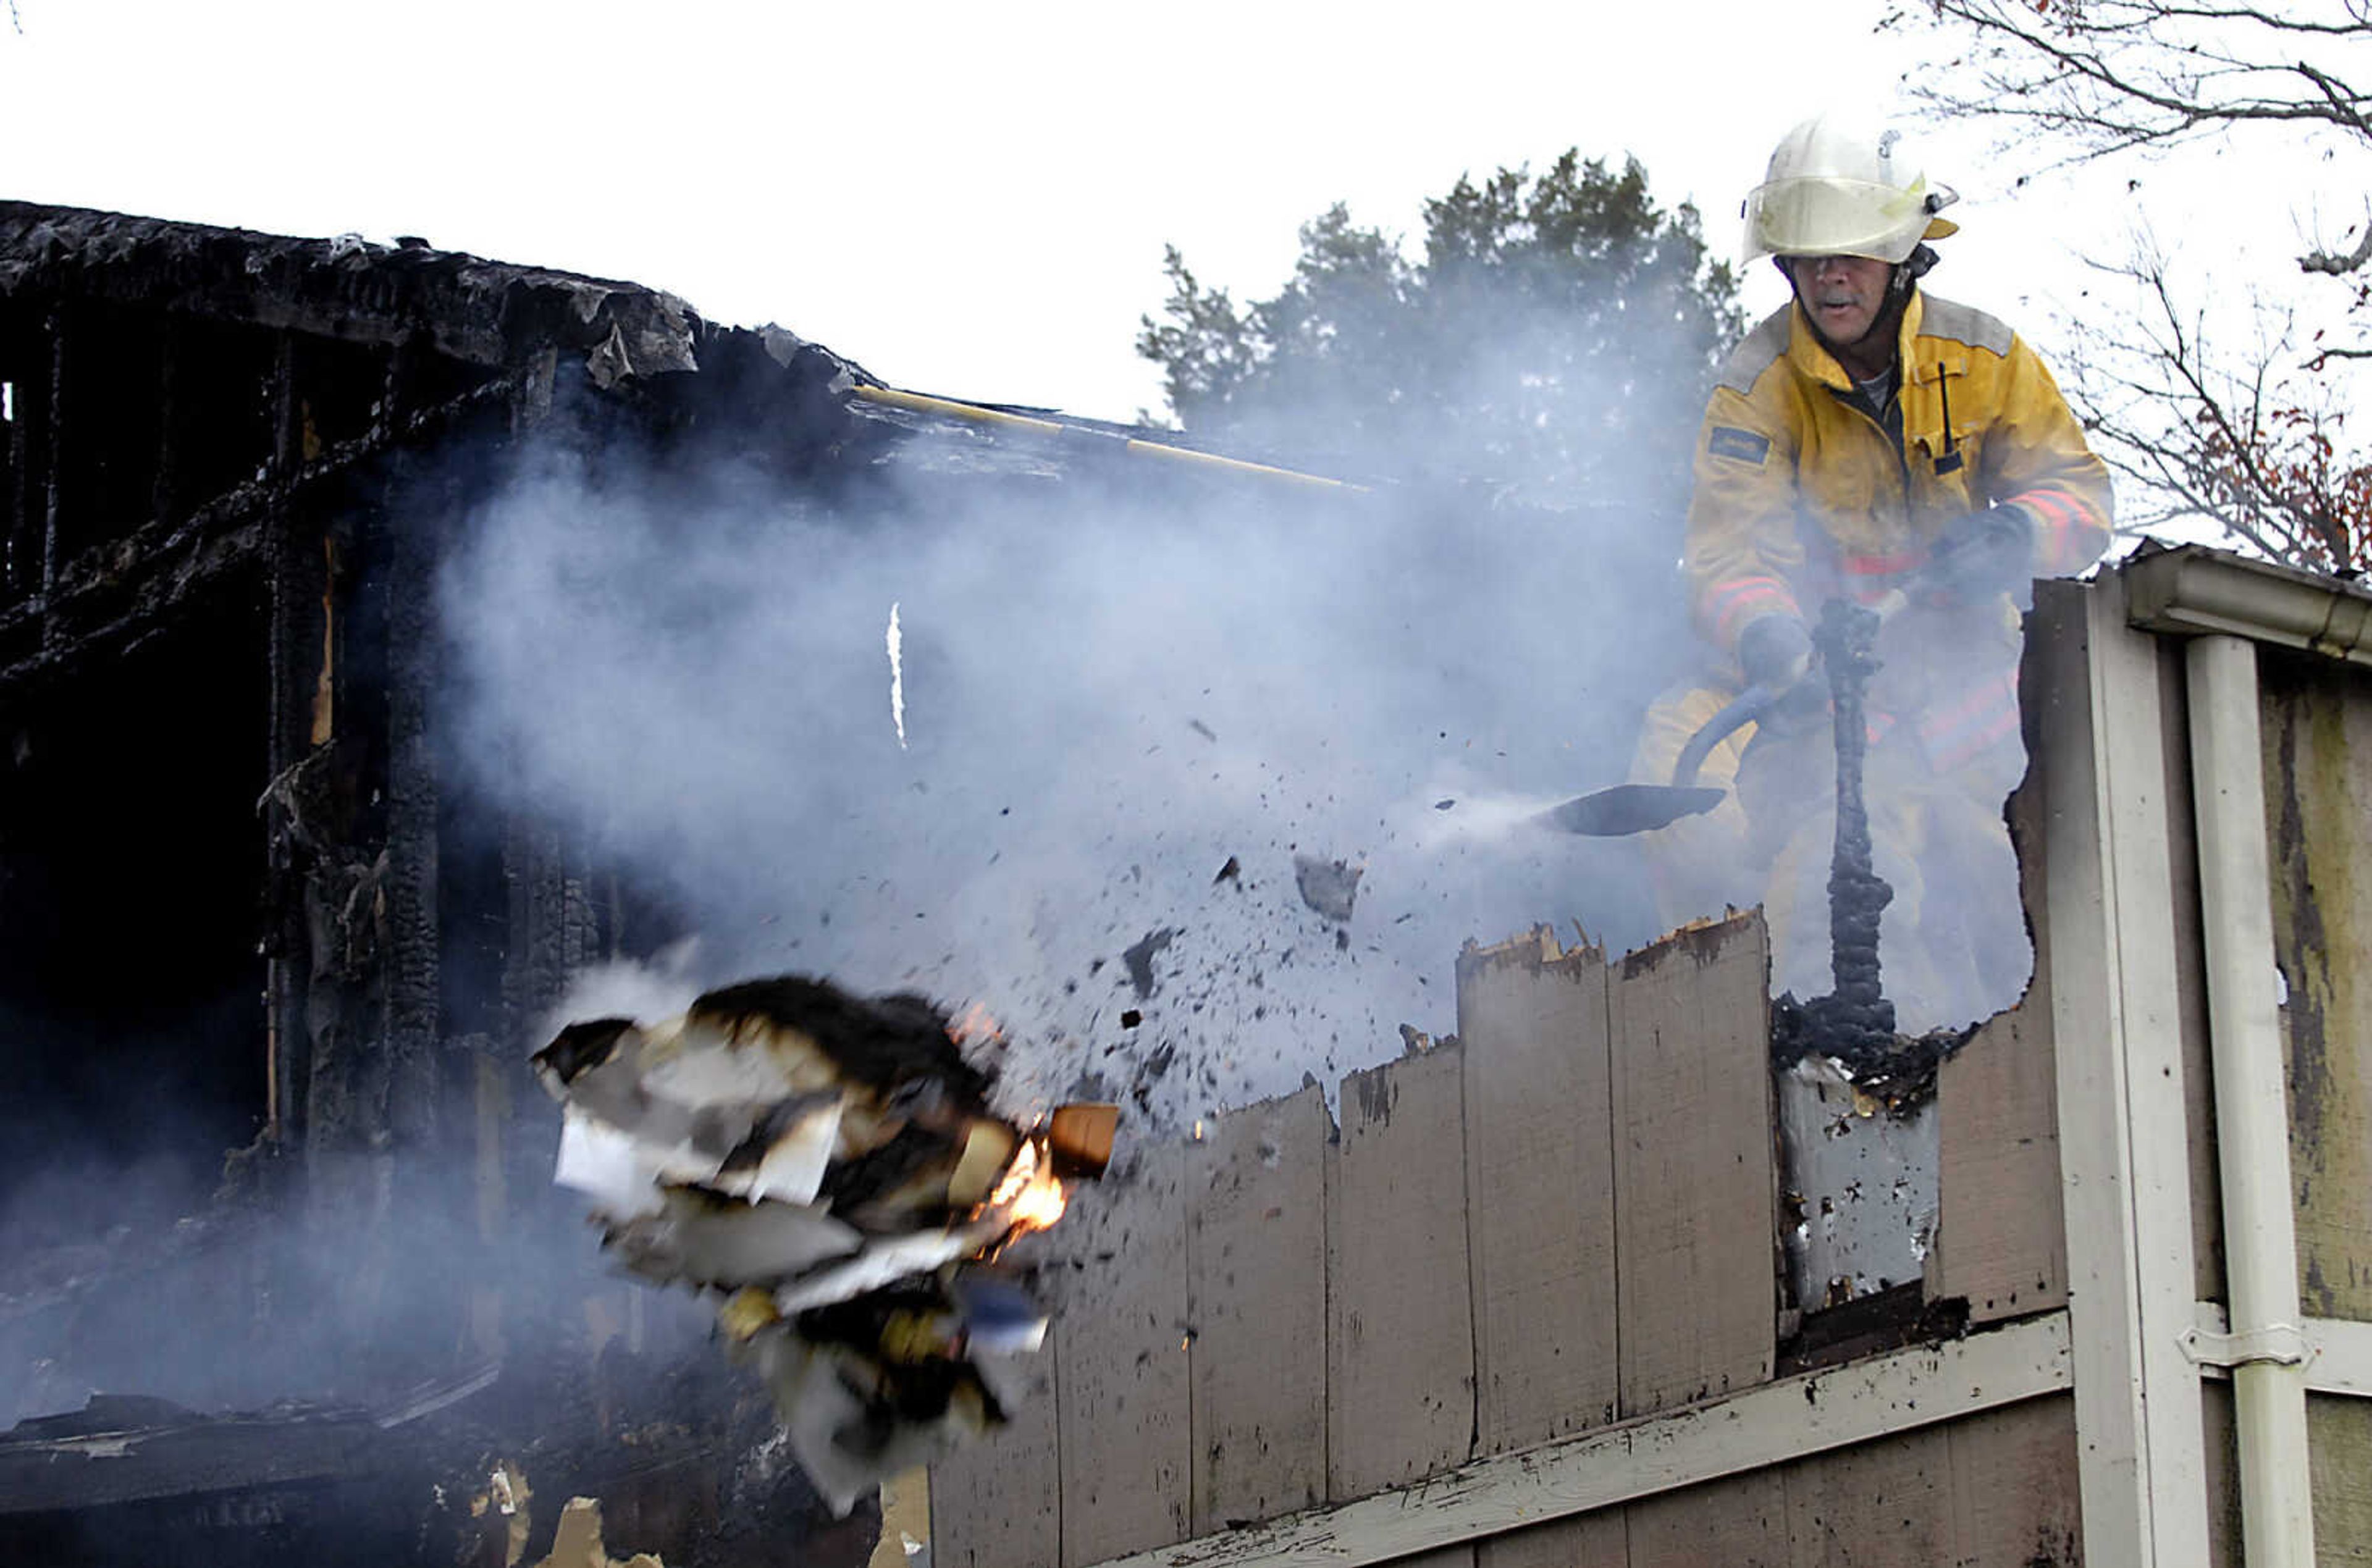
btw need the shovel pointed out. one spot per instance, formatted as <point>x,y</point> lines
<point>1641,807</point>
<point>1626,810</point>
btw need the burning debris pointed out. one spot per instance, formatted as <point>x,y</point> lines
<point>829,1167</point>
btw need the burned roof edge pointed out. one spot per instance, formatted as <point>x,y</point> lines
<point>490,313</point>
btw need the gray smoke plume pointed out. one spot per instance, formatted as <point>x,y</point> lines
<point>1130,703</point>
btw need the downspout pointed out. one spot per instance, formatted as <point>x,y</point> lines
<point>2265,1347</point>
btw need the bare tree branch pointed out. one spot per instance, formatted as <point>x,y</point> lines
<point>2339,265</point>
<point>2124,74</point>
<point>2254,445</point>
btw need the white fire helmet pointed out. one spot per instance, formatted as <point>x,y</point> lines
<point>1835,191</point>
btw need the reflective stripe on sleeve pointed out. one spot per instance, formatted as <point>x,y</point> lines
<point>2067,538</point>
<point>1727,607</point>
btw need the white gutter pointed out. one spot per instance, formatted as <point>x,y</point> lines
<point>2266,1350</point>
<point>2207,591</point>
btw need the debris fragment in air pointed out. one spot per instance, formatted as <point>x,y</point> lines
<point>826,1166</point>
<point>1329,887</point>
<point>1139,958</point>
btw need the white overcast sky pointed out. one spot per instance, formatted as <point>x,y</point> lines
<point>972,200</point>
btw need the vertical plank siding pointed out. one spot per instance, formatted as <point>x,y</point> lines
<point>998,1503</point>
<point>1695,1183</point>
<point>1121,1376</point>
<point>1592,1541</point>
<point>2004,1239</point>
<point>1256,1260</point>
<point>2013,1500</point>
<point>2339,1446</point>
<point>1400,1324</point>
<point>1989,1491</point>
<point>2318,739</point>
<point>1539,1189</point>
<point>1740,1522</point>
<point>1881,1505</point>
<point>1488,1255</point>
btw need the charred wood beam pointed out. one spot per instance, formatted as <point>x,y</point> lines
<point>54,412</point>
<point>24,364</point>
<point>284,940</point>
<point>412,541</point>
<point>125,1449</point>
<point>62,643</point>
<point>156,568</point>
<point>488,313</point>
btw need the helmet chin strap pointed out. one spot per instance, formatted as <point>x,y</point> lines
<point>1910,270</point>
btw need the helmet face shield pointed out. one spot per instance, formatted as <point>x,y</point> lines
<point>1832,215</point>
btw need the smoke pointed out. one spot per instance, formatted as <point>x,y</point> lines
<point>1130,700</point>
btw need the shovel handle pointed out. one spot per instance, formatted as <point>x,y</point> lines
<point>1743,709</point>
<point>1749,707</point>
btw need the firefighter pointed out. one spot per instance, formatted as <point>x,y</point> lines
<point>1871,442</point>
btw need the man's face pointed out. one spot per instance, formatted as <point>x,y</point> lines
<point>1842,295</point>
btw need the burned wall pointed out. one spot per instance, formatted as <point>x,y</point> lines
<point>267,975</point>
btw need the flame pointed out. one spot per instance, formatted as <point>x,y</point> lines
<point>977,1023</point>
<point>1030,1195</point>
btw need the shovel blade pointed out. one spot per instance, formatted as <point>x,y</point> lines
<point>1628,809</point>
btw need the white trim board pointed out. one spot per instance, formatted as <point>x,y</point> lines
<point>2124,1152</point>
<point>1788,1419</point>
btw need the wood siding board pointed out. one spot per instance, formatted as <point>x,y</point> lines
<point>1256,1300</point>
<point>1695,1180</point>
<point>997,1502</point>
<point>1400,1331</point>
<point>1874,1505</point>
<point>1121,1382</point>
<point>2339,1458</point>
<point>2318,738</point>
<point>2013,1487</point>
<point>1592,1541</point>
<point>2003,1238</point>
<point>1540,1181</point>
<point>1756,1431</point>
<point>1740,1523</point>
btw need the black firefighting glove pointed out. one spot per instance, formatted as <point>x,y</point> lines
<point>1983,554</point>
<point>1773,651</point>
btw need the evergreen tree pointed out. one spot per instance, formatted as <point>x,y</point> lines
<point>1558,335</point>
